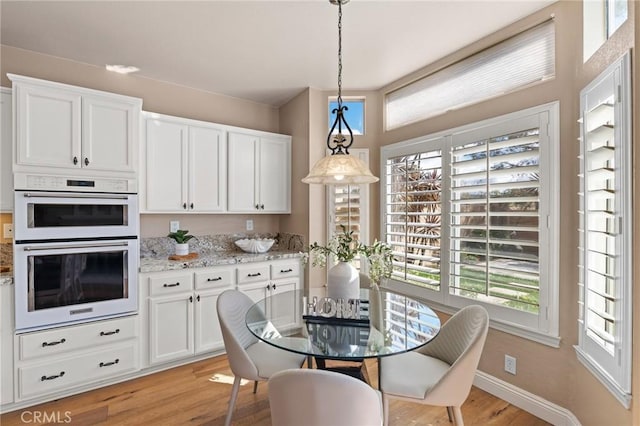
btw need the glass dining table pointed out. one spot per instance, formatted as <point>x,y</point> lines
<point>385,323</point>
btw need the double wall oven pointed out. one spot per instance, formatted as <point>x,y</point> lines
<point>75,255</point>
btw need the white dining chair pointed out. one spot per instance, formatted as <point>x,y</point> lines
<point>249,357</point>
<point>440,373</point>
<point>321,398</point>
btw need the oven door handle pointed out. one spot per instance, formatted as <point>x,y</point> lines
<point>76,195</point>
<point>74,246</point>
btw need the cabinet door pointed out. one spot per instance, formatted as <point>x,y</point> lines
<point>207,327</point>
<point>256,291</point>
<point>242,150</point>
<point>166,177</point>
<point>207,170</point>
<point>109,133</point>
<point>6,143</point>
<point>275,175</point>
<point>286,307</point>
<point>48,127</point>
<point>171,328</point>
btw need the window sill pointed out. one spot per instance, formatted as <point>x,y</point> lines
<point>623,397</point>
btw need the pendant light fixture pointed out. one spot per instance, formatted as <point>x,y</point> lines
<point>340,167</point>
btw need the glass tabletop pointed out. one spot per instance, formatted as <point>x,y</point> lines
<point>388,323</point>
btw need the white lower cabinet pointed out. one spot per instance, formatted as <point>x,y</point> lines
<point>57,360</point>
<point>183,320</point>
<point>262,280</point>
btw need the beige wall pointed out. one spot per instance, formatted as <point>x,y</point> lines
<point>160,97</point>
<point>554,374</point>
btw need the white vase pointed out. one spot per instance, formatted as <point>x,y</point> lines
<point>182,249</point>
<point>343,282</point>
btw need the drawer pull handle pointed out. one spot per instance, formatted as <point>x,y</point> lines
<point>171,285</point>
<point>107,364</point>
<point>109,333</point>
<point>55,376</point>
<point>284,271</point>
<point>214,279</point>
<point>45,344</point>
<point>257,274</point>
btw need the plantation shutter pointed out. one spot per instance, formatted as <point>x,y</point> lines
<point>413,216</point>
<point>349,207</point>
<point>495,217</point>
<point>605,229</point>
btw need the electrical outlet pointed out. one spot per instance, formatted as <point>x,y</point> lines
<point>249,225</point>
<point>510,364</point>
<point>174,225</point>
<point>7,230</point>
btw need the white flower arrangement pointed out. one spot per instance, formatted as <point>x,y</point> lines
<point>344,247</point>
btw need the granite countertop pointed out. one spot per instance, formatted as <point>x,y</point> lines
<point>213,258</point>
<point>6,278</point>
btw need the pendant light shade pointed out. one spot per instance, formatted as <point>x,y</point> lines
<point>340,167</point>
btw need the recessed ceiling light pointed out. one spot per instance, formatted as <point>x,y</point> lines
<point>122,69</point>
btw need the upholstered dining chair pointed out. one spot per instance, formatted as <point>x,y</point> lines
<point>320,398</point>
<point>248,357</point>
<point>441,372</point>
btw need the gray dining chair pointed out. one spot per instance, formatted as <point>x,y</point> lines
<point>249,357</point>
<point>440,373</point>
<point>320,398</point>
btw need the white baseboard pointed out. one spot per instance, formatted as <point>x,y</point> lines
<point>539,407</point>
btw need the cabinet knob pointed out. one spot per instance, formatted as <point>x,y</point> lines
<point>191,205</point>
<point>184,206</point>
<point>257,206</point>
<point>198,298</point>
<point>86,161</point>
<point>273,287</point>
<point>191,299</point>
<point>75,160</point>
<point>262,206</point>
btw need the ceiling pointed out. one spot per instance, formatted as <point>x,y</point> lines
<point>265,51</point>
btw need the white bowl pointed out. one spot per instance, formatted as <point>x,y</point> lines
<point>255,245</point>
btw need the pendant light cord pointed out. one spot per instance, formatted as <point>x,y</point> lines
<point>339,53</point>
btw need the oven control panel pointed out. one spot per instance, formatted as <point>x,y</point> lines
<point>30,181</point>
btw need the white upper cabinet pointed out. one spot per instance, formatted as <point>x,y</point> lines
<point>185,167</point>
<point>259,173</point>
<point>6,142</point>
<point>62,129</point>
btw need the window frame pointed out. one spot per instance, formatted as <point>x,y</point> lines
<point>544,328</point>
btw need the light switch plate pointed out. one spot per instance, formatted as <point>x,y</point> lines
<point>7,230</point>
<point>174,225</point>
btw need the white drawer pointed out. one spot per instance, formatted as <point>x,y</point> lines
<point>252,274</point>
<point>60,340</point>
<point>160,285</point>
<point>285,270</point>
<point>212,278</point>
<point>46,377</point>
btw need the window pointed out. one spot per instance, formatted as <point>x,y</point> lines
<point>601,19</point>
<point>470,215</point>
<point>605,252</point>
<point>354,114</point>
<point>519,61</point>
<point>349,207</point>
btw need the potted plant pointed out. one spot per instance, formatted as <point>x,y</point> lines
<point>343,280</point>
<point>181,237</point>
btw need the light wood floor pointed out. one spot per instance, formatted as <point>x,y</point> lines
<point>186,395</point>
